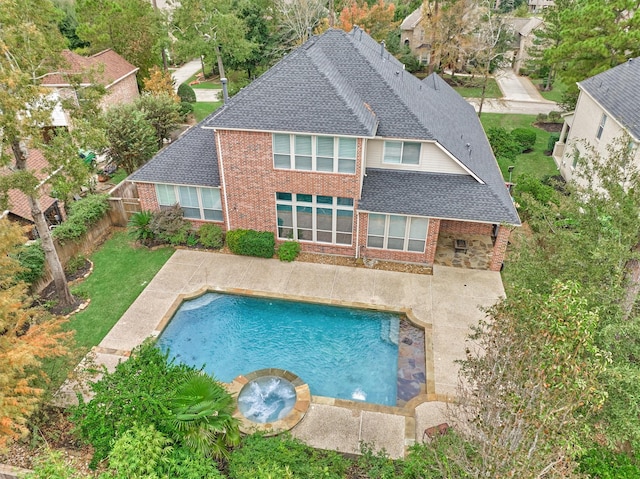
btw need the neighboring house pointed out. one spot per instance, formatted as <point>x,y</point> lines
<point>524,33</point>
<point>19,208</point>
<point>339,148</point>
<point>536,6</point>
<point>412,35</point>
<point>608,107</point>
<point>106,68</point>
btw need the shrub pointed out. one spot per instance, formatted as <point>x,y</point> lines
<point>169,226</point>
<point>542,117</point>
<point>545,194</point>
<point>251,243</point>
<point>211,236</point>
<point>31,258</point>
<point>74,264</point>
<point>52,466</point>
<point>525,137</point>
<point>258,456</point>
<point>186,93</point>
<point>502,143</point>
<point>604,464</point>
<point>553,138</point>
<point>139,227</point>
<point>185,109</point>
<point>83,214</point>
<point>289,250</point>
<point>137,392</point>
<point>554,116</point>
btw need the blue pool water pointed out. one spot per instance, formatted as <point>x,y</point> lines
<point>339,352</point>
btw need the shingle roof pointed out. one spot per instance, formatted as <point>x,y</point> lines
<point>412,19</point>
<point>18,201</point>
<point>190,160</point>
<point>617,92</point>
<point>433,195</point>
<point>107,65</point>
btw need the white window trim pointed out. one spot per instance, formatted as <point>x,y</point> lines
<point>314,229</point>
<point>406,239</point>
<point>402,142</point>
<point>601,126</point>
<point>176,194</point>
<point>314,156</point>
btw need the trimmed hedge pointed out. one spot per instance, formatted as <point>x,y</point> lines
<point>83,213</point>
<point>289,250</point>
<point>525,137</point>
<point>251,243</point>
<point>186,93</point>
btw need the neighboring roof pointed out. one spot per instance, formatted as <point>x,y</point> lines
<point>617,91</point>
<point>108,66</point>
<point>412,20</point>
<point>190,160</point>
<point>18,202</point>
<point>524,25</point>
<point>434,195</point>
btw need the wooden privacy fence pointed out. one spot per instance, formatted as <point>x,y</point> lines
<point>123,202</point>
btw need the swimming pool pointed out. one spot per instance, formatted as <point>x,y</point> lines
<point>339,352</point>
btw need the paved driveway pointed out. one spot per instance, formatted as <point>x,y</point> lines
<point>446,304</point>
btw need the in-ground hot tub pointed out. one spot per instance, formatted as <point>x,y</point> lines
<point>270,400</point>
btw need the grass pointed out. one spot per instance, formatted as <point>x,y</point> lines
<point>118,176</point>
<point>555,94</point>
<point>120,273</point>
<point>204,108</point>
<point>469,88</point>
<point>205,85</point>
<point>534,163</point>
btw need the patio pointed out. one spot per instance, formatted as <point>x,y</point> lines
<point>479,249</point>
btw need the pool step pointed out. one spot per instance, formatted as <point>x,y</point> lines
<point>390,331</point>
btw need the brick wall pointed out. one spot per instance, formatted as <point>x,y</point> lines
<point>125,91</point>
<point>392,255</point>
<point>148,198</point>
<point>252,182</point>
<point>464,227</point>
<point>500,248</point>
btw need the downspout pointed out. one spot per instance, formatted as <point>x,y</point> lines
<point>224,183</point>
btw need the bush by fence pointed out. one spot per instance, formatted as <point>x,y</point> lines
<point>83,214</point>
<point>251,243</point>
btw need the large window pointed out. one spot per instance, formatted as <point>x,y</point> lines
<point>321,219</point>
<point>314,153</point>
<point>603,120</point>
<point>401,152</point>
<point>402,233</point>
<point>196,203</point>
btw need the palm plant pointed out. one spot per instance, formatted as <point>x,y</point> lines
<point>203,418</point>
<point>139,226</point>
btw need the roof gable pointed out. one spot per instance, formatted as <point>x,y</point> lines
<point>107,65</point>
<point>617,91</point>
<point>412,20</point>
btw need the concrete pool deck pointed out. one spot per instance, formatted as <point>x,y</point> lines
<point>446,304</point>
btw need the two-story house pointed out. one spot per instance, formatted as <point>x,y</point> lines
<point>412,35</point>
<point>607,108</point>
<point>339,148</point>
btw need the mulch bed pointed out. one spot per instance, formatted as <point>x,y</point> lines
<point>549,126</point>
<point>48,296</point>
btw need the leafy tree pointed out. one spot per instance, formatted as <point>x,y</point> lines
<point>27,336</point>
<point>132,138</point>
<point>377,20</point>
<point>503,144</point>
<point>160,82</point>
<point>69,23</point>
<point>530,379</point>
<point>31,43</point>
<point>131,27</point>
<point>162,112</point>
<point>205,27</point>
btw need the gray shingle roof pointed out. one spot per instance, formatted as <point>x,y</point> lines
<point>433,195</point>
<point>190,160</point>
<point>618,92</point>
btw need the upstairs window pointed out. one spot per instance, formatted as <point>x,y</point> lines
<point>603,120</point>
<point>327,154</point>
<point>401,152</point>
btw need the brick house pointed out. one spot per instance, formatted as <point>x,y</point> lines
<point>339,148</point>
<point>117,75</point>
<point>607,108</point>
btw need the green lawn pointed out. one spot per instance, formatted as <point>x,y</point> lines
<point>120,273</point>
<point>118,176</point>
<point>471,88</point>
<point>204,108</point>
<point>534,163</point>
<point>555,94</point>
